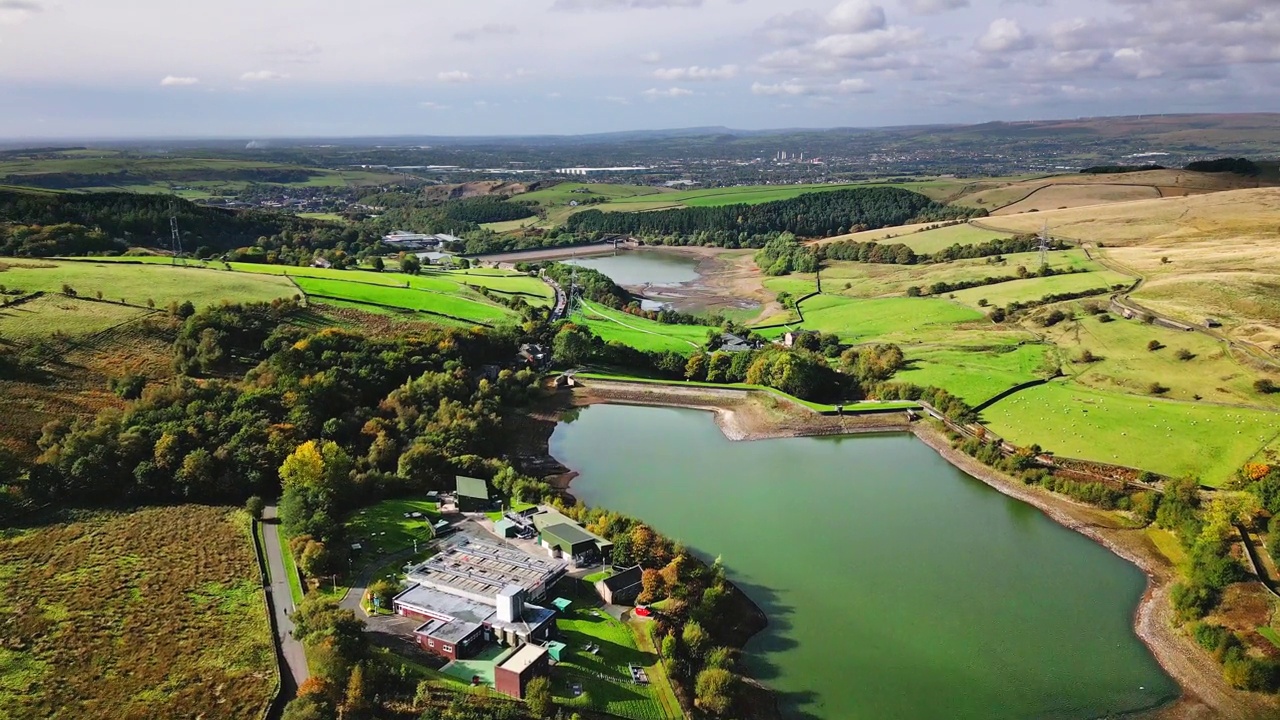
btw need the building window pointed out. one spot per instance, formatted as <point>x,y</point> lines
<point>431,643</point>
<point>447,648</point>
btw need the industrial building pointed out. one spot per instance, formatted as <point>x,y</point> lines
<point>473,592</point>
<point>562,537</point>
<point>473,495</point>
<point>621,588</point>
<point>418,241</point>
<point>511,677</point>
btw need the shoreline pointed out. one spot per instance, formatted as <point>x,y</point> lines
<point>744,416</point>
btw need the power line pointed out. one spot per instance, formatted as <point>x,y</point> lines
<point>175,241</point>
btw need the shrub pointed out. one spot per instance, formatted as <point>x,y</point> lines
<point>68,290</point>
<point>254,506</point>
<point>1184,354</point>
<point>1088,357</point>
<point>1266,386</point>
<point>1154,345</point>
<point>983,302</point>
<point>129,387</point>
<point>1053,318</point>
<point>1192,602</point>
<point>1156,388</point>
<point>1105,318</point>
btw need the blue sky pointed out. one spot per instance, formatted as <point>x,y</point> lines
<point>269,68</point>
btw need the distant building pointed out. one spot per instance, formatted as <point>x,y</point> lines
<point>730,342</point>
<point>534,355</point>
<point>321,263</point>
<point>583,171</point>
<point>511,677</point>
<point>622,588</point>
<point>473,495</point>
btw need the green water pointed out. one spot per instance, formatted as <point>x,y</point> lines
<point>896,586</point>
<point>644,267</point>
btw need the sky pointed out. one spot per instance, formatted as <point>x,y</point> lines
<point>299,68</point>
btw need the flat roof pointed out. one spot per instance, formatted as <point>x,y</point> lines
<point>550,518</point>
<point>450,632</point>
<point>464,613</point>
<point>571,534</point>
<point>473,487</point>
<point>527,655</point>
<point>478,568</point>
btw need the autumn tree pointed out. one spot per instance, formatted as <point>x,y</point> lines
<point>538,697</point>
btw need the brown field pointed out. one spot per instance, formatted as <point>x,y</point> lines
<point>73,316</point>
<point>72,380</point>
<point>1165,183</point>
<point>150,614</point>
<point>1202,256</point>
<point>1062,195</point>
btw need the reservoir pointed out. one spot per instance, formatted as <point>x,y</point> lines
<point>637,268</point>
<point>896,585</point>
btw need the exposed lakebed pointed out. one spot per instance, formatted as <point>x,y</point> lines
<point>895,584</point>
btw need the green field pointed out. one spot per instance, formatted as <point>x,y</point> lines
<point>564,193</point>
<point>641,333</point>
<point>924,240</point>
<point>974,375</point>
<point>1127,364</point>
<point>37,318</point>
<point>1033,289</point>
<point>427,301</point>
<point>153,613</point>
<point>859,321</point>
<point>883,279</point>
<point>1174,438</point>
<point>139,283</point>
<point>615,695</point>
<point>383,528</point>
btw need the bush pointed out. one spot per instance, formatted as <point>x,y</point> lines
<point>1154,345</point>
<point>1184,354</point>
<point>1192,602</point>
<point>1053,318</point>
<point>1088,357</point>
<point>1105,318</point>
<point>1214,638</point>
<point>1156,388</point>
<point>254,506</point>
<point>129,387</point>
<point>1266,386</point>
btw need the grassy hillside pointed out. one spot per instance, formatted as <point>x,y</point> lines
<point>614,326</point>
<point>153,613</point>
<point>1081,189</point>
<point>137,284</point>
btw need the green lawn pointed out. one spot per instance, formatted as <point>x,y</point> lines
<point>1170,437</point>
<point>974,375</point>
<point>925,241</point>
<point>1033,289</point>
<point>382,528</point>
<point>407,298</point>
<point>295,585</point>
<point>880,280</point>
<point>618,648</point>
<point>139,283</point>
<point>640,333</point>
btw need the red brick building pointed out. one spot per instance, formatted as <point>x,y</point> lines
<point>512,677</point>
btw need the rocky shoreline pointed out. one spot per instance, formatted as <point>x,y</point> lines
<point>746,416</point>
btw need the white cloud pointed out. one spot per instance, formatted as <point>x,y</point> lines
<point>428,105</point>
<point>263,76</point>
<point>869,44</point>
<point>453,76</point>
<point>651,58</point>
<point>724,72</point>
<point>791,87</point>
<point>588,5</point>
<point>855,16</point>
<point>13,12</point>
<point>671,92</point>
<point>486,30</point>
<point>1004,35</point>
<point>854,86</point>
<point>933,7</point>
<point>174,80</point>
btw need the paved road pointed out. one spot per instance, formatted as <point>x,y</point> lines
<point>281,600</point>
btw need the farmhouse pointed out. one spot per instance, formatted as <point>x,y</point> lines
<point>474,592</point>
<point>512,676</point>
<point>622,588</point>
<point>562,537</point>
<point>473,494</point>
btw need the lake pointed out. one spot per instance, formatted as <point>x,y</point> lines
<point>637,268</point>
<point>896,585</point>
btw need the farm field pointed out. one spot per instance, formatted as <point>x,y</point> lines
<point>1173,438</point>
<point>615,695</point>
<point>1059,196</point>
<point>975,375</point>
<point>567,192</point>
<point>1033,289</point>
<point>640,333</point>
<point>879,280</point>
<point>407,298</point>
<point>139,283</point>
<point>1128,365</point>
<point>1162,182</point>
<point>38,318</point>
<point>886,319</point>
<point>926,237</point>
<point>153,613</point>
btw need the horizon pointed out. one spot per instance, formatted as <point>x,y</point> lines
<point>81,69</point>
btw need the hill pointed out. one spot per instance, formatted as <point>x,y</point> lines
<point>1081,189</point>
